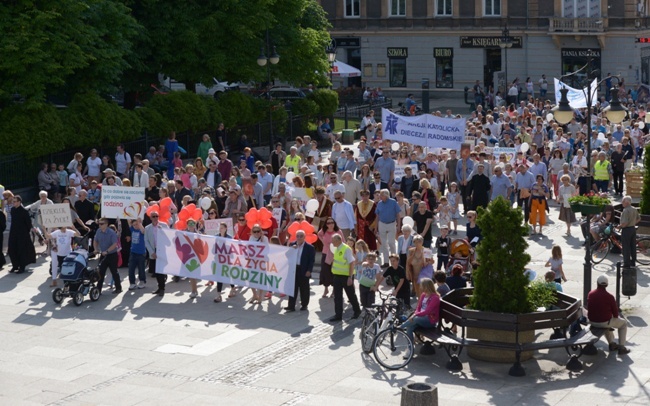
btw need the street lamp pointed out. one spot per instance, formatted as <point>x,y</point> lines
<point>563,114</point>
<point>505,43</point>
<point>262,60</point>
<point>331,58</point>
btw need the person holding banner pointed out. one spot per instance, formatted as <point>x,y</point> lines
<point>343,278</point>
<point>304,267</point>
<point>257,236</point>
<point>150,239</point>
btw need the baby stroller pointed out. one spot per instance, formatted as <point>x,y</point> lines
<point>461,253</point>
<point>78,280</point>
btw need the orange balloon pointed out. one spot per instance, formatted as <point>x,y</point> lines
<point>265,213</point>
<point>181,225</point>
<point>293,228</point>
<point>307,227</point>
<point>190,207</point>
<point>184,215</point>
<point>252,217</point>
<point>266,223</point>
<point>311,238</point>
<point>197,214</point>
<point>164,217</point>
<point>165,203</point>
<point>152,208</point>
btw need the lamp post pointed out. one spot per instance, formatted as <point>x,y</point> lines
<point>505,43</point>
<point>262,60</point>
<point>331,58</point>
<point>563,114</point>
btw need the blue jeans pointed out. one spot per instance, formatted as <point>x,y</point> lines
<point>136,260</point>
<point>602,185</point>
<point>422,321</point>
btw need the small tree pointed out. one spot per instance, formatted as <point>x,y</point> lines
<point>499,282</point>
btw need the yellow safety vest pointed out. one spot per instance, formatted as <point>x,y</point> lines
<point>292,163</point>
<point>600,170</point>
<point>340,266</point>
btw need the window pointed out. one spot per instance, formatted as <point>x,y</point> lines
<point>581,8</point>
<point>397,72</point>
<point>492,7</point>
<point>444,67</point>
<point>443,8</point>
<point>398,8</point>
<point>367,70</point>
<point>352,8</point>
<point>381,70</point>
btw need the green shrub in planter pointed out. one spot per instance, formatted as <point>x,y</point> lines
<point>499,281</point>
<point>645,195</point>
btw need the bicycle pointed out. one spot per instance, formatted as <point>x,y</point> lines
<point>601,248</point>
<point>374,320</point>
<point>392,347</point>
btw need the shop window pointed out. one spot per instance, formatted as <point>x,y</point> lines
<point>398,72</point>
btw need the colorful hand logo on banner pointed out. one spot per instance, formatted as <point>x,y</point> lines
<point>261,217</point>
<point>308,228</point>
<point>191,253</point>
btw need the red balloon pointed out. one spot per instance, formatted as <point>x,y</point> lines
<point>311,238</point>
<point>165,203</point>
<point>181,225</point>
<point>164,217</point>
<point>265,213</point>
<point>197,214</point>
<point>184,215</point>
<point>293,228</point>
<point>152,208</point>
<point>252,217</point>
<point>190,207</point>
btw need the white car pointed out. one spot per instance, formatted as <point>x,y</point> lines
<point>217,88</point>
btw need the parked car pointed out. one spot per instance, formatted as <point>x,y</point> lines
<point>217,89</point>
<point>284,93</point>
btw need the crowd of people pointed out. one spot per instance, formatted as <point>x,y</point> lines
<point>386,211</point>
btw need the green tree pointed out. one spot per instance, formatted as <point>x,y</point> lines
<point>499,282</point>
<point>62,46</point>
<point>21,132</point>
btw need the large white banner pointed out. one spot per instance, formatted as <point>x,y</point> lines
<point>577,97</point>
<point>241,263</point>
<point>426,130</point>
<point>123,202</point>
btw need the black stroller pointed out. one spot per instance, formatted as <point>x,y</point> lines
<point>78,280</point>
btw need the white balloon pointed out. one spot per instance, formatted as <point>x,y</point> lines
<point>311,206</point>
<point>408,221</point>
<point>641,125</point>
<point>290,176</point>
<point>310,213</point>
<point>206,203</point>
<point>550,146</point>
<point>395,146</point>
<point>549,117</point>
<point>525,147</point>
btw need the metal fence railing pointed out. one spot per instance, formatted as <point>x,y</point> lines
<point>357,112</point>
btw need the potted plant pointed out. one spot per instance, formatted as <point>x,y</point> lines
<point>591,203</point>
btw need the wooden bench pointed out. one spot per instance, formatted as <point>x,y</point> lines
<point>559,320</point>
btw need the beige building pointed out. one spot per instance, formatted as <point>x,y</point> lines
<point>452,43</point>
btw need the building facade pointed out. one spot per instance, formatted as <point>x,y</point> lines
<point>452,43</point>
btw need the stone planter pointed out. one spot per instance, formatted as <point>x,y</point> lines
<point>634,184</point>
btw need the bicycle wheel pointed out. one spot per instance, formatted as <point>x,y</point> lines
<point>393,348</point>
<point>643,251</point>
<point>599,250</point>
<point>368,334</point>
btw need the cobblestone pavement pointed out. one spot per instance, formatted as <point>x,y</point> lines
<point>139,349</point>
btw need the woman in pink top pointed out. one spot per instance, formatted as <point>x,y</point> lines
<point>427,312</point>
<point>325,235</point>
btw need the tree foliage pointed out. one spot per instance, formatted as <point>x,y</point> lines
<point>499,282</point>
<point>327,101</point>
<point>21,132</point>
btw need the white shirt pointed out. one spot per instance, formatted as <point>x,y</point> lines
<point>63,242</point>
<point>76,180</point>
<point>93,166</point>
<point>120,162</point>
<point>333,188</point>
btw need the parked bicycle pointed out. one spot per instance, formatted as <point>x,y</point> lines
<point>392,347</point>
<point>375,319</point>
<point>609,237</point>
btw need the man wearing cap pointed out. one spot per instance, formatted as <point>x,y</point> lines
<point>630,217</point>
<point>224,165</point>
<point>109,173</point>
<point>212,176</point>
<point>603,313</point>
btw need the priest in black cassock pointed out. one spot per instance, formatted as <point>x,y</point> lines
<point>479,188</point>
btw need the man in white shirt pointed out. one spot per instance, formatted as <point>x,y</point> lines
<point>343,214</point>
<point>140,178</point>
<point>122,161</point>
<point>334,186</point>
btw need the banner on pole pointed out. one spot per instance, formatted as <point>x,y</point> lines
<point>243,263</point>
<point>56,215</point>
<point>211,227</point>
<point>577,97</point>
<point>123,202</point>
<point>425,130</point>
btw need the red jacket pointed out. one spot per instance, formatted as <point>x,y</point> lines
<point>432,310</point>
